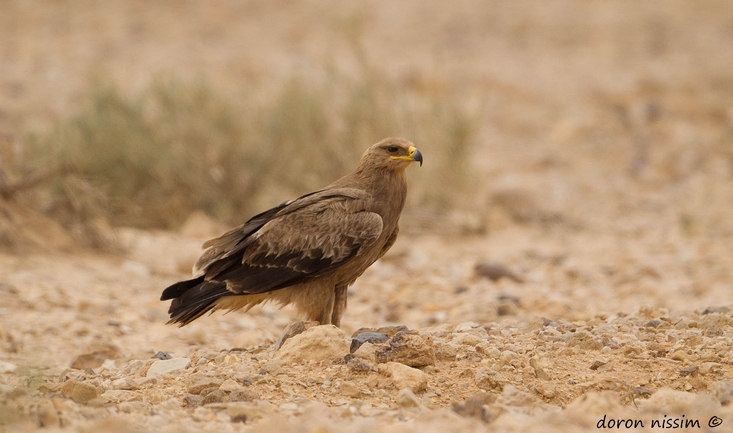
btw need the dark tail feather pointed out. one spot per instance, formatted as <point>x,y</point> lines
<point>192,298</point>
<point>180,288</point>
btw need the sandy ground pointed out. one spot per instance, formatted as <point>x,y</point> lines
<point>593,330</point>
<point>605,183</point>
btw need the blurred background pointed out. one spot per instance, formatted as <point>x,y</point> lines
<point>578,175</point>
<point>582,115</point>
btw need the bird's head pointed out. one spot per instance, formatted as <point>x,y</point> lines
<point>392,154</point>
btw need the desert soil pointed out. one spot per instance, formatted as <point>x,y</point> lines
<point>594,329</point>
<point>604,183</point>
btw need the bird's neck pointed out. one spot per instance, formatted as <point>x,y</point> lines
<point>387,187</point>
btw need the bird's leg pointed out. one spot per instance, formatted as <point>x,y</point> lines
<point>322,312</point>
<point>339,305</point>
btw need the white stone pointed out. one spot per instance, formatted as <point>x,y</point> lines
<point>165,366</point>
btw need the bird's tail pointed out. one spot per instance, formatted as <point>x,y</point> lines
<point>192,298</point>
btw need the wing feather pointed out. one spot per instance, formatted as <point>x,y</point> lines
<point>293,242</point>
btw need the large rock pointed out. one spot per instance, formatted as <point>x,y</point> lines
<point>404,376</point>
<point>317,343</point>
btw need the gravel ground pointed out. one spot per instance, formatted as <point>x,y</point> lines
<point>586,285</point>
<point>582,333</point>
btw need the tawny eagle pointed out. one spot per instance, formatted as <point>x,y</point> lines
<point>306,251</point>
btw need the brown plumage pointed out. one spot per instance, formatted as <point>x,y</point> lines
<point>306,251</point>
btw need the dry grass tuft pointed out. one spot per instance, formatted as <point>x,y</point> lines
<point>151,160</point>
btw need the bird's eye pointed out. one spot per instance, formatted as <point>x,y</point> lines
<point>392,149</point>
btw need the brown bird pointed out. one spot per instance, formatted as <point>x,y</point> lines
<point>306,251</point>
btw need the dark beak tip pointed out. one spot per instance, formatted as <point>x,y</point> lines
<point>417,157</point>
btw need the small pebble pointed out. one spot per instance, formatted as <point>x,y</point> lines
<point>162,355</point>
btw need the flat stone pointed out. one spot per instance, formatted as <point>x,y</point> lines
<point>165,366</point>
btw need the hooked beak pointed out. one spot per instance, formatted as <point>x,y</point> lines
<point>415,154</point>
